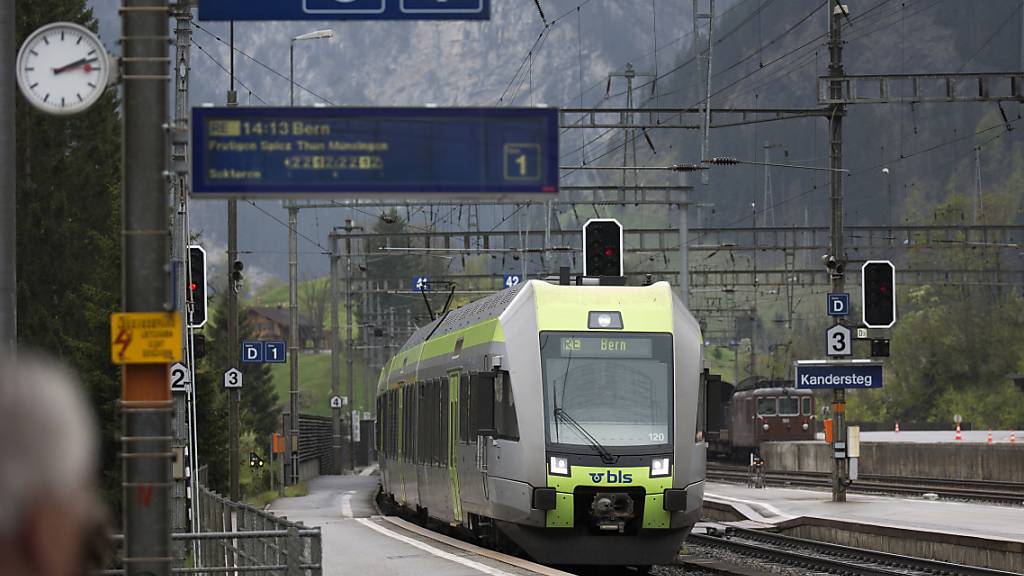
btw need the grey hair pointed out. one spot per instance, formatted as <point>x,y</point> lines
<point>48,438</point>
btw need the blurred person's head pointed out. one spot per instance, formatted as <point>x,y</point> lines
<point>48,457</point>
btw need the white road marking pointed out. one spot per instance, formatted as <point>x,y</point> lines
<point>346,504</point>
<point>779,513</point>
<point>368,470</point>
<point>431,550</point>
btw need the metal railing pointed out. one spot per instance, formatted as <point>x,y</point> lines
<point>239,539</point>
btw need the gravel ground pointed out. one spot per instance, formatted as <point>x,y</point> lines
<point>700,551</point>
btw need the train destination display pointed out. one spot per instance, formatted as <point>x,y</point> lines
<point>314,152</point>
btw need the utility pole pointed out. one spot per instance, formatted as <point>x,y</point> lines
<point>704,76</point>
<point>8,193</point>
<point>350,359</point>
<point>186,516</point>
<point>336,452</point>
<point>146,403</point>
<point>292,434</point>
<point>835,153</point>
<point>233,344</point>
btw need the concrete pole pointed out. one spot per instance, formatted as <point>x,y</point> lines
<point>234,351</point>
<point>292,435</point>
<point>183,420</point>
<point>338,457</point>
<point>350,354</point>
<point>835,69</point>
<point>234,346</point>
<point>8,194</point>
<point>684,247</point>
<point>146,394</point>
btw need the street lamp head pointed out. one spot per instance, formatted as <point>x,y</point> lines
<point>314,35</point>
<point>885,170</point>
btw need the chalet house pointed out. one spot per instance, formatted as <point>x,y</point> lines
<point>272,323</point>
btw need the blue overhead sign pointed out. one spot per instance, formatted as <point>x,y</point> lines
<point>821,375</point>
<point>343,152</point>
<point>344,9</point>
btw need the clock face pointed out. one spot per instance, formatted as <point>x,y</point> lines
<point>63,68</point>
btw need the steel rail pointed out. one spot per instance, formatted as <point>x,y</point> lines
<point>1009,492</point>
<point>887,560</point>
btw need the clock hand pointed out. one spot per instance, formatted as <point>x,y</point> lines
<point>73,65</point>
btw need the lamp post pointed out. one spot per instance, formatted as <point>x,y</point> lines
<point>319,34</point>
<point>292,423</point>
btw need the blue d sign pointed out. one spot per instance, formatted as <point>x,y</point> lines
<point>252,352</point>
<point>838,304</point>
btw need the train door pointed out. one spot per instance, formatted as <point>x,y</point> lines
<point>452,445</point>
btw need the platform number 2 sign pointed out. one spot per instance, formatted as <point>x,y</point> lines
<point>181,377</point>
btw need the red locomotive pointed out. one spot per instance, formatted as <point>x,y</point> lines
<point>757,410</point>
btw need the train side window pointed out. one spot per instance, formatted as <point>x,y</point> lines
<point>442,425</point>
<point>808,408</point>
<point>410,424</point>
<point>379,403</point>
<point>766,406</point>
<point>436,425</point>
<point>789,406</point>
<point>505,422</point>
<point>464,432</point>
<point>482,391</point>
<point>422,440</point>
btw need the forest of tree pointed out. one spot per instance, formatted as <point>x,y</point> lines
<point>69,265</point>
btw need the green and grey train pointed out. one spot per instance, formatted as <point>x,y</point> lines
<point>561,419</point>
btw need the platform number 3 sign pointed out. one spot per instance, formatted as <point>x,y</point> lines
<point>839,341</point>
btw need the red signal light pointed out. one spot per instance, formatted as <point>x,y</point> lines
<point>609,252</point>
<point>192,286</point>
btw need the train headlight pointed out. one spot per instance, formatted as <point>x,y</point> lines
<point>661,467</point>
<point>765,427</point>
<point>558,466</point>
<point>805,426</point>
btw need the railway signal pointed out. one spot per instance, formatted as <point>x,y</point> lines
<point>602,246</point>
<point>197,286</point>
<point>878,293</point>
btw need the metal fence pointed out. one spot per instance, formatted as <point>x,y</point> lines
<point>238,539</point>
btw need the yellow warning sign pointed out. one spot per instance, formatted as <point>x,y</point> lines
<point>145,337</point>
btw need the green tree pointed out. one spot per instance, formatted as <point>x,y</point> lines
<point>258,411</point>
<point>68,172</point>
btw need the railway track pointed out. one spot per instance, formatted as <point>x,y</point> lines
<point>1002,492</point>
<point>815,556</point>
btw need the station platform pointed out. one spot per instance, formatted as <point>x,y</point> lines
<point>357,541</point>
<point>966,533</point>
<point>939,436</point>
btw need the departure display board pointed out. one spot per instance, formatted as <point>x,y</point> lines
<point>605,347</point>
<point>263,153</point>
<point>344,9</point>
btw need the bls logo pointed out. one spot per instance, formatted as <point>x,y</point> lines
<point>611,476</point>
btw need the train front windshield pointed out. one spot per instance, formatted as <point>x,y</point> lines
<point>616,388</point>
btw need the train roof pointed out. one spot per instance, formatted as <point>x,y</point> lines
<point>473,313</point>
<point>773,391</point>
